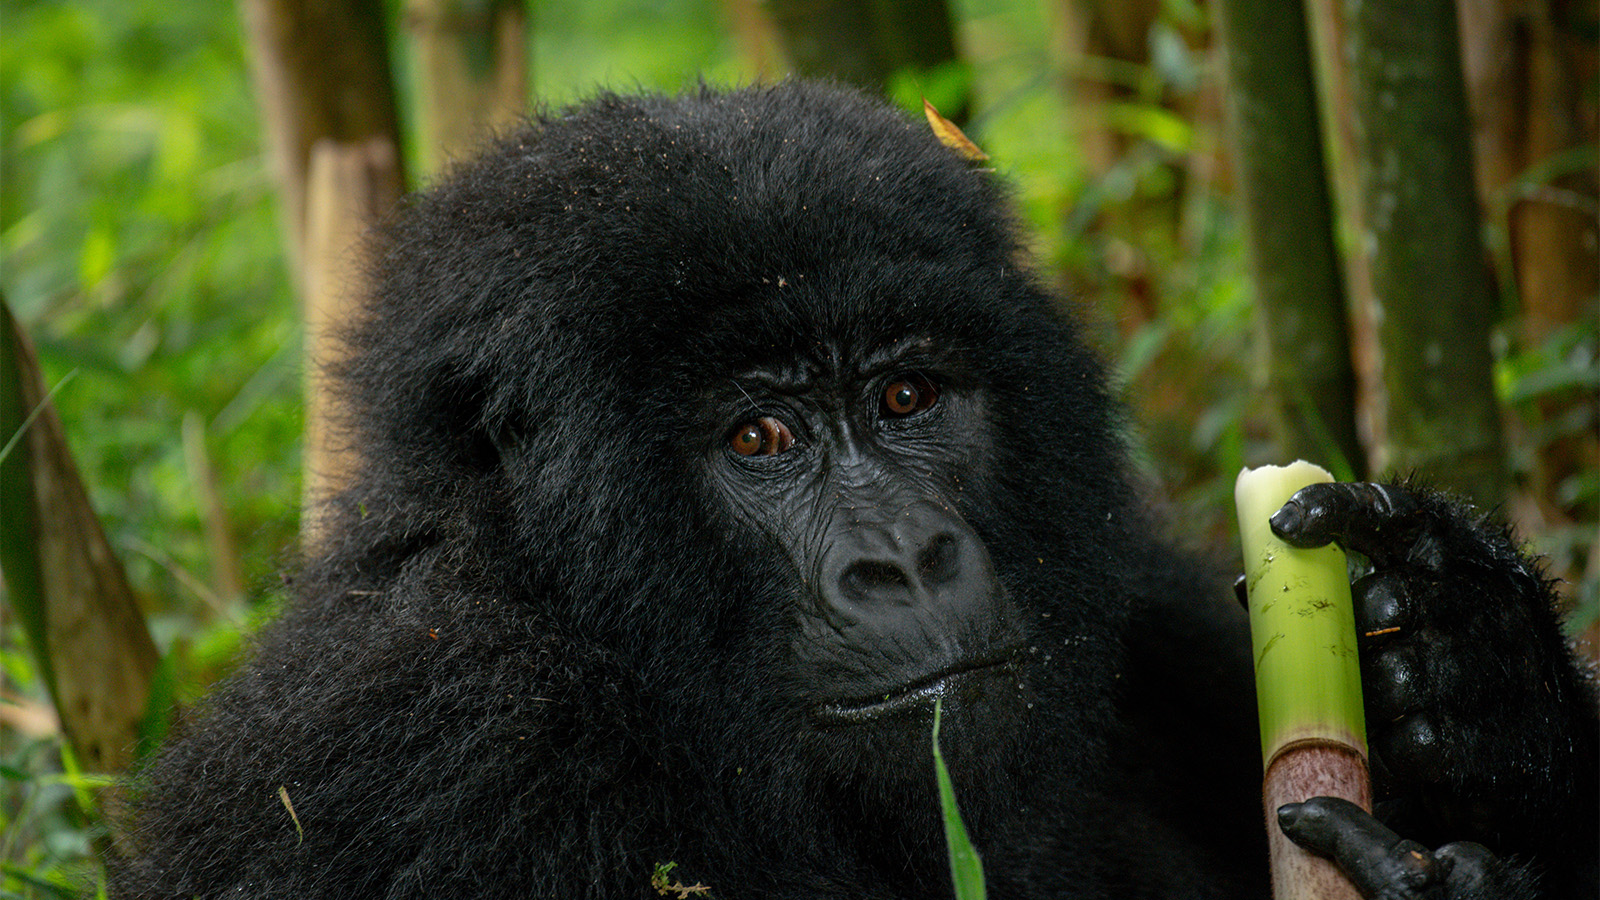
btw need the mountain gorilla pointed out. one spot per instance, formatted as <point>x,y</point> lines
<point>705,442</point>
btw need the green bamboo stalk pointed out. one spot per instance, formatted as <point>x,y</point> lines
<point>1308,677</point>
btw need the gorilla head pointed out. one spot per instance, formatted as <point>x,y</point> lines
<point>754,387</point>
<point>705,442</point>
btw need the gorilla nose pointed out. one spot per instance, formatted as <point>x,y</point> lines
<point>925,556</point>
<point>900,575</point>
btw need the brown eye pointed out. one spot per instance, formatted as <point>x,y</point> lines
<point>765,436</point>
<point>909,395</point>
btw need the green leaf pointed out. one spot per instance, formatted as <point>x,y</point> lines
<point>19,549</point>
<point>966,869</point>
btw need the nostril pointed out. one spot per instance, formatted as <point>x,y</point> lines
<point>869,578</point>
<point>937,561</point>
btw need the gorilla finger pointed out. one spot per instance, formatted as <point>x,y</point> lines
<point>1383,604</point>
<point>1374,858</point>
<point>1241,590</point>
<point>1479,873</point>
<point>1393,684</point>
<point>1379,521</point>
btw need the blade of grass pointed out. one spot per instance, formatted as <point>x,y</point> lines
<point>966,869</point>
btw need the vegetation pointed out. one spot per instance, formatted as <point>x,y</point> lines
<point>966,868</point>
<point>144,251</point>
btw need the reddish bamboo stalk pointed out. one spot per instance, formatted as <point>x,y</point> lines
<point>1300,771</point>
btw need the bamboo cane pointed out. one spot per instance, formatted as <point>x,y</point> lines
<point>1308,680</point>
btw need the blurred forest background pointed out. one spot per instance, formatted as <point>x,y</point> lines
<point>1270,215</point>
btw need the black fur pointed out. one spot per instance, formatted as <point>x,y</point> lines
<point>537,656</point>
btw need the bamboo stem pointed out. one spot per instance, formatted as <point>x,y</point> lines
<point>1308,685</point>
<point>1300,772</point>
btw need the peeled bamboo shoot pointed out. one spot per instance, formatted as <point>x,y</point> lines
<point>1308,677</point>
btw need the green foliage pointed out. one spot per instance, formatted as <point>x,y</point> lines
<point>138,228</point>
<point>48,825</point>
<point>946,86</point>
<point>966,869</point>
<point>630,44</point>
<point>667,886</point>
<point>1550,388</point>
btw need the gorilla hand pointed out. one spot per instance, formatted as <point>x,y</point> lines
<point>1382,865</point>
<point>1482,726</point>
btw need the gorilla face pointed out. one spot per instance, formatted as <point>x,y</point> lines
<point>854,464</point>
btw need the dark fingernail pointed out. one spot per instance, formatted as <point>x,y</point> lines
<point>1287,519</point>
<point>1289,814</point>
<point>1241,591</point>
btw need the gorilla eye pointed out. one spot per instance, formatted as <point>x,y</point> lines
<point>909,395</point>
<point>765,436</point>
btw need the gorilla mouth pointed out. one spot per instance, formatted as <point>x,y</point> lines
<point>922,691</point>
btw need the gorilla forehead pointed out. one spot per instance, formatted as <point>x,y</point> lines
<point>790,175</point>
<point>662,217</point>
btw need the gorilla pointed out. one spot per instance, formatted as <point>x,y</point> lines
<point>706,441</point>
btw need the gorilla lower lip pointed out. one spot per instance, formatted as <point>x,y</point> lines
<point>919,693</point>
